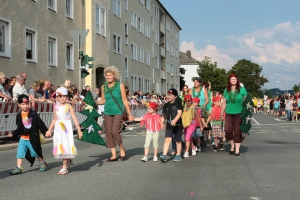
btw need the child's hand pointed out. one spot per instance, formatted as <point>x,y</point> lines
<point>48,134</point>
<point>80,134</point>
<point>173,122</point>
<point>162,126</point>
<point>10,135</point>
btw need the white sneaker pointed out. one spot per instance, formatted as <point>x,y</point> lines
<point>186,155</point>
<point>144,159</point>
<point>194,152</point>
<point>155,159</point>
<point>213,143</point>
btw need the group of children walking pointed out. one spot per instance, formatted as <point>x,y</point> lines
<point>181,118</point>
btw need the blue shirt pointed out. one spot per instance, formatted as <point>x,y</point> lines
<point>276,105</point>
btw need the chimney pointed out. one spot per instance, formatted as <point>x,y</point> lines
<point>188,53</point>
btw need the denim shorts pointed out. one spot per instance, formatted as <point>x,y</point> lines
<point>23,147</point>
<point>197,133</point>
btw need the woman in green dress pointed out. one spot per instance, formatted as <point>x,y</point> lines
<point>232,104</point>
<point>113,96</point>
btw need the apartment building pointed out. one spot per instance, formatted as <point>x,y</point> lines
<point>34,38</point>
<point>144,45</point>
<point>189,66</point>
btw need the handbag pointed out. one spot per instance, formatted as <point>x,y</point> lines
<point>125,115</point>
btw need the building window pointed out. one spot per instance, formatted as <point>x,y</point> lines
<point>101,21</point>
<point>70,56</point>
<point>5,35</point>
<point>69,8</point>
<point>147,4</point>
<point>168,25</point>
<point>126,5</point>
<point>152,23</point>
<point>142,2</point>
<point>156,38</point>
<point>31,45</point>
<point>152,46</point>
<point>117,46</point>
<point>117,8</point>
<point>147,30</point>
<point>134,51</point>
<point>52,5</point>
<point>133,19</point>
<point>156,62</point>
<point>126,33</point>
<point>141,50</point>
<point>156,13</point>
<point>126,67</point>
<point>147,58</point>
<point>141,26</point>
<point>52,51</point>
<point>168,46</point>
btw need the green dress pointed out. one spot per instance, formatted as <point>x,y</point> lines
<point>234,101</point>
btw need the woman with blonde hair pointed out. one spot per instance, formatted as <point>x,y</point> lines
<point>34,92</point>
<point>113,96</point>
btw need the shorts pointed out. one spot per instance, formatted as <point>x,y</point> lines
<point>175,133</point>
<point>197,133</point>
<point>23,147</point>
<point>276,110</point>
<point>295,113</point>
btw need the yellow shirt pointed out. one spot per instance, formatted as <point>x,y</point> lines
<point>255,102</point>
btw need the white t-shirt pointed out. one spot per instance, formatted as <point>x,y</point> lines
<point>100,107</point>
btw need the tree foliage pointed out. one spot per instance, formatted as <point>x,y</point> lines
<point>296,88</point>
<point>208,71</point>
<point>249,74</point>
<point>268,93</point>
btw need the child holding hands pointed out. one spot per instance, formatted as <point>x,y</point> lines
<point>152,122</point>
<point>63,141</point>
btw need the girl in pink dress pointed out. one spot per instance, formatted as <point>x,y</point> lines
<point>152,122</point>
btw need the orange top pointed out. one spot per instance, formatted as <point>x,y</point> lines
<point>25,118</point>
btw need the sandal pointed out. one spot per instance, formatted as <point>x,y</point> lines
<point>62,171</point>
<point>231,152</point>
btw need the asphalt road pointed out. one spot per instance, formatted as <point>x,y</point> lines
<point>268,168</point>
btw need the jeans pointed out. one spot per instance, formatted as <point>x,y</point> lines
<point>288,114</point>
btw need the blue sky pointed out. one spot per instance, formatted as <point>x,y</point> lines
<point>267,32</point>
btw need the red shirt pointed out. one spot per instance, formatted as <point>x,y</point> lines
<point>152,122</point>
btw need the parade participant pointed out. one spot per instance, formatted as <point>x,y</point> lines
<point>63,141</point>
<point>172,113</point>
<point>152,122</point>
<point>255,102</point>
<point>294,110</point>
<point>28,126</point>
<point>233,95</point>
<point>197,136</point>
<point>113,96</point>
<point>191,118</point>
<point>184,91</point>
<point>216,124</point>
<point>276,107</point>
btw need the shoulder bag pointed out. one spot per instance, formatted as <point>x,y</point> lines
<point>125,115</point>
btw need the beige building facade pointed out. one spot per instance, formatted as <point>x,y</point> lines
<point>34,38</point>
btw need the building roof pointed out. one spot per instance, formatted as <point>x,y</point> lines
<point>187,59</point>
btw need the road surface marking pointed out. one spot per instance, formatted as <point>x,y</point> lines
<point>254,120</point>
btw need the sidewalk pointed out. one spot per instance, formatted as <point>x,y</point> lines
<point>13,144</point>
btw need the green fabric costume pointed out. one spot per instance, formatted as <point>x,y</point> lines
<point>246,114</point>
<point>90,133</point>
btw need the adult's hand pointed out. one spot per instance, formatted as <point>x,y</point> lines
<point>131,118</point>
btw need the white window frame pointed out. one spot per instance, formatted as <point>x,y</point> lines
<point>142,84</point>
<point>133,51</point>
<point>168,46</point>
<point>157,13</point>
<point>34,44</point>
<point>117,43</point>
<point>152,23</point>
<point>7,37</point>
<point>141,55</point>
<point>168,67</point>
<point>126,67</point>
<point>156,37</point>
<point>54,53</point>
<point>147,5</point>
<point>108,39</point>
<point>147,30</point>
<point>133,82</point>
<point>141,26</point>
<point>54,7</point>
<point>71,15</point>
<point>168,25</point>
<point>71,45</point>
<point>100,20</point>
<point>152,47</point>
<point>117,8</point>
<point>126,33</point>
<point>156,62</point>
<point>133,17</point>
<point>126,5</point>
<point>142,2</point>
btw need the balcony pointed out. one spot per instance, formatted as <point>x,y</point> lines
<point>162,28</point>
<point>162,51</point>
<point>163,74</point>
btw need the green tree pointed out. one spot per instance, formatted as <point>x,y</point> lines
<point>249,74</point>
<point>268,93</point>
<point>208,71</point>
<point>182,81</point>
<point>296,88</point>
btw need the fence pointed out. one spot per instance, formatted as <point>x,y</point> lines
<point>8,113</point>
